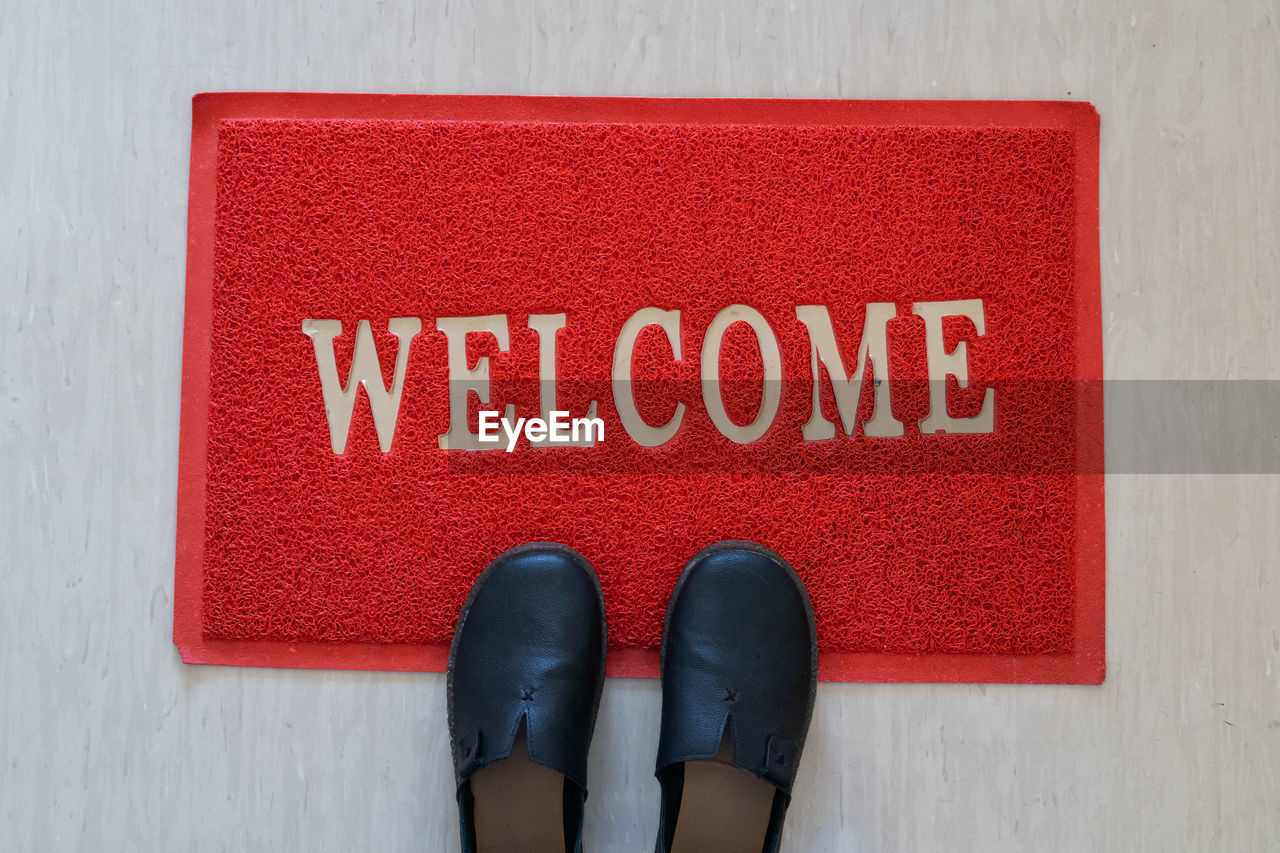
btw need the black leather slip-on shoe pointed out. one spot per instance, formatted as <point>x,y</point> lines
<point>739,673</point>
<point>525,673</point>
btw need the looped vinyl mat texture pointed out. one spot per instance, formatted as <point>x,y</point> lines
<point>970,556</point>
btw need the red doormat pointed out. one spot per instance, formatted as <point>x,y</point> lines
<point>368,274</point>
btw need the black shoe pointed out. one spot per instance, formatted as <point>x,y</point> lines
<point>525,673</point>
<point>739,672</point>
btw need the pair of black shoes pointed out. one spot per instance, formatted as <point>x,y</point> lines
<point>739,668</point>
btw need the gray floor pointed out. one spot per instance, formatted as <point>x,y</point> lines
<point>109,743</point>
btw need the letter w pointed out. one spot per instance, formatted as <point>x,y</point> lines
<point>366,370</point>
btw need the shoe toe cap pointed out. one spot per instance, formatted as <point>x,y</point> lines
<point>530,644</point>
<point>739,650</point>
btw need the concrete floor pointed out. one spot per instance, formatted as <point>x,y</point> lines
<point>108,742</point>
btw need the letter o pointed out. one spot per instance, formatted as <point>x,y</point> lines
<point>771,357</point>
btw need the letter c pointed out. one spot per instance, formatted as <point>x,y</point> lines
<point>623,398</point>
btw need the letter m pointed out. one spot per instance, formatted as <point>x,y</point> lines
<point>873,357</point>
<point>366,370</point>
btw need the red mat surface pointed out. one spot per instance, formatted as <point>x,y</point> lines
<point>957,556</point>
